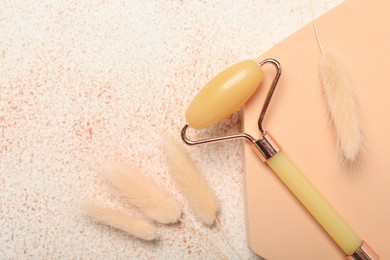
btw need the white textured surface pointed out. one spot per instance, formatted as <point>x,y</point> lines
<point>82,81</point>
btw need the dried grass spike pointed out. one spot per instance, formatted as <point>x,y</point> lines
<point>194,187</point>
<point>132,225</point>
<point>341,106</point>
<point>340,101</point>
<point>148,197</point>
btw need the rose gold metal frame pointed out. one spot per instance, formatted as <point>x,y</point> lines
<point>265,146</point>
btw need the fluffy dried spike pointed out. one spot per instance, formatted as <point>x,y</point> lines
<point>341,106</point>
<point>132,225</point>
<point>194,187</point>
<point>150,199</point>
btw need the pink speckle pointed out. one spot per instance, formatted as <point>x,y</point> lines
<point>90,132</point>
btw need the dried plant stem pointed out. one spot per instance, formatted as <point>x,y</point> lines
<point>315,27</point>
<point>205,237</point>
<point>224,237</point>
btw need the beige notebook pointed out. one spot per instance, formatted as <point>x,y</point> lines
<point>278,226</point>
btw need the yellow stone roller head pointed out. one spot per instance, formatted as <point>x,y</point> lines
<point>224,94</point>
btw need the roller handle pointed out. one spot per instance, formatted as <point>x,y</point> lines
<point>319,208</point>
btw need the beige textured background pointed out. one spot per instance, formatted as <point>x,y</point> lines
<point>83,81</point>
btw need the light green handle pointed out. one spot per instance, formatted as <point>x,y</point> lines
<point>315,203</point>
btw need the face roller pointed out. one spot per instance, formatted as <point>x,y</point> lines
<point>227,92</point>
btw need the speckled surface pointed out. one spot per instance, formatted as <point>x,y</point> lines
<point>84,81</point>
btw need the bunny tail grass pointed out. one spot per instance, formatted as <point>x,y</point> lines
<point>341,106</point>
<point>132,225</point>
<point>143,193</point>
<point>194,187</point>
